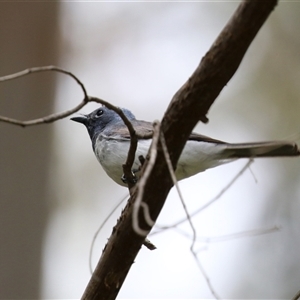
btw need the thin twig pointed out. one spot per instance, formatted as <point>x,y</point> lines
<point>203,272</point>
<point>174,179</point>
<point>57,116</point>
<point>142,182</point>
<point>99,229</point>
<point>44,69</point>
<point>50,118</point>
<point>217,197</point>
<point>188,217</point>
<point>148,244</point>
<point>227,237</point>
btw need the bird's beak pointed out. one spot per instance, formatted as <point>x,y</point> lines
<point>81,119</point>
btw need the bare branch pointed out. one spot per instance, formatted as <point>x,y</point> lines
<point>44,120</point>
<point>138,202</point>
<point>57,116</point>
<point>43,69</point>
<point>50,118</point>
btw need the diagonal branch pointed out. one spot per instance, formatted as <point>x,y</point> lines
<point>190,104</point>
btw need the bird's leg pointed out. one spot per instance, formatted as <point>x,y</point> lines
<point>134,171</point>
<point>134,177</point>
<point>142,160</point>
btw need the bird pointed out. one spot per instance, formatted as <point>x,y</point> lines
<point>111,140</point>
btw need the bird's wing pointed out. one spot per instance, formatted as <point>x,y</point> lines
<point>143,129</point>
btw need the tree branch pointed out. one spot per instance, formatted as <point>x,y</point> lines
<point>44,69</point>
<point>190,104</point>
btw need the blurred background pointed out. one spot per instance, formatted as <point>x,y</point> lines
<point>54,195</point>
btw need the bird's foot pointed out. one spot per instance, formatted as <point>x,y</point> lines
<point>133,178</point>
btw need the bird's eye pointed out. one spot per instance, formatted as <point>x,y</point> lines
<point>99,113</point>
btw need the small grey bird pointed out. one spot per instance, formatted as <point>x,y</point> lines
<point>111,139</point>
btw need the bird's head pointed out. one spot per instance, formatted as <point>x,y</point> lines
<point>99,119</point>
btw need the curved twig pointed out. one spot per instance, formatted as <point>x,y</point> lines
<point>44,69</point>
<point>57,116</point>
<point>53,117</point>
<point>44,120</point>
<point>138,203</point>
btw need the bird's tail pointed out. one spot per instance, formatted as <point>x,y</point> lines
<point>263,149</point>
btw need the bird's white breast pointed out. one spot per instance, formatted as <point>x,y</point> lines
<point>112,154</point>
<point>196,156</point>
